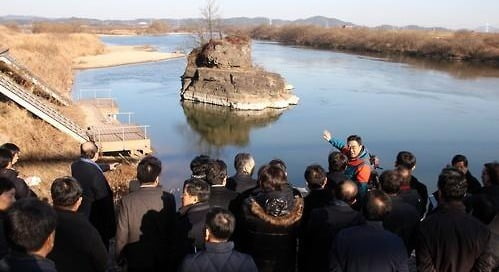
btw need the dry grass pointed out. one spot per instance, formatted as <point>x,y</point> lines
<point>50,55</point>
<point>459,45</point>
<point>46,152</point>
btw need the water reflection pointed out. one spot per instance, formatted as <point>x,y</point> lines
<point>458,70</point>
<point>218,126</point>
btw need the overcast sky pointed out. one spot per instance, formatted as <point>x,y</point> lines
<point>446,13</point>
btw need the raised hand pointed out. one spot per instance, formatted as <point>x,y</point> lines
<point>326,135</point>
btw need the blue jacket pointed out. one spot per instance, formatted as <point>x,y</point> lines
<point>219,257</point>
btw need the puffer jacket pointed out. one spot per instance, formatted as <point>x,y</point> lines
<point>270,229</point>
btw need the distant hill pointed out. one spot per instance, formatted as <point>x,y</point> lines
<point>234,21</point>
<point>412,27</point>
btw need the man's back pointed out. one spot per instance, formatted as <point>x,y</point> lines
<point>321,229</point>
<point>368,248</point>
<point>78,246</point>
<point>145,221</point>
<point>240,183</point>
<point>222,197</point>
<point>451,240</point>
<point>97,203</point>
<point>17,262</point>
<point>219,257</point>
<point>403,220</point>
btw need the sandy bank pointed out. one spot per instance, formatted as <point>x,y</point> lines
<point>122,55</point>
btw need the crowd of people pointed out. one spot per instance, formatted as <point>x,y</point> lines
<point>350,218</point>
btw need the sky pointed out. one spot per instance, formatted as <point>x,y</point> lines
<point>446,13</point>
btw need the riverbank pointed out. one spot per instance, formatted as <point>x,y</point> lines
<point>45,151</point>
<point>455,46</point>
<point>123,55</point>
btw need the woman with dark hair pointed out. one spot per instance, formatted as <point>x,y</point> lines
<point>270,222</point>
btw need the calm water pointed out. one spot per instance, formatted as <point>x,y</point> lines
<point>433,110</point>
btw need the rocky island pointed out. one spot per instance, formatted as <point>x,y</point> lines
<point>221,72</point>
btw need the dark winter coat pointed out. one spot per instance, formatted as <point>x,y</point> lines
<point>423,195</point>
<point>270,228</point>
<point>240,183</point>
<point>222,197</point>
<point>451,240</point>
<point>22,189</point>
<point>190,228</point>
<point>17,262</point>
<point>368,248</point>
<point>97,204</point>
<point>323,225</point>
<point>403,220</point>
<point>474,185</point>
<point>78,245</point>
<point>219,257</point>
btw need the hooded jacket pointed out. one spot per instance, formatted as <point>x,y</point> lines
<point>270,229</point>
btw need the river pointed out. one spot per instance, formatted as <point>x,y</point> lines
<point>434,110</point>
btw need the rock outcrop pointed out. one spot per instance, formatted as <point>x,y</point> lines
<point>221,73</point>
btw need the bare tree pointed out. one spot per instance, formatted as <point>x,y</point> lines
<point>211,16</point>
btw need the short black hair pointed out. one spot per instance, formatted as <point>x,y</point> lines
<point>492,170</point>
<point>390,181</point>
<point>279,163</point>
<point>244,163</point>
<point>346,191</point>
<point>452,184</point>
<point>217,172</point>
<point>199,165</point>
<point>315,176</point>
<point>272,178</point>
<point>29,223</point>
<point>377,205</point>
<point>197,187</point>
<point>220,223</point>
<point>5,158</point>
<point>337,161</point>
<point>356,138</point>
<point>148,169</point>
<point>88,150</point>
<point>13,148</point>
<point>406,160</point>
<point>6,185</point>
<point>459,158</point>
<point>65,191</point>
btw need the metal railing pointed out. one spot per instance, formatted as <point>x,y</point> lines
<point>115,116</point>
<point>122,133</point>
<point>35,102</point>
<point>45,87</point>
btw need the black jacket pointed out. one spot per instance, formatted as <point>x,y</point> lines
<point>240,183</point>
<point>17,262</point>
<point>270,227</point>
<point>451,240</point>
<point>334,178</point>
<point>412,198</point>
<point>422,191</point>
<point>219,257</point>
<point>4,248</point>
<point>222,197</point>
<point>403,220</point>
<point>474,185</point>
<point>78,245</point>
<point>22,189</point>
<point>97,204</point>
<point>323,225</point>
<point>146,221</point>
<point>315,199</point>
<point>189,233</point>
<point>368,248</point>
